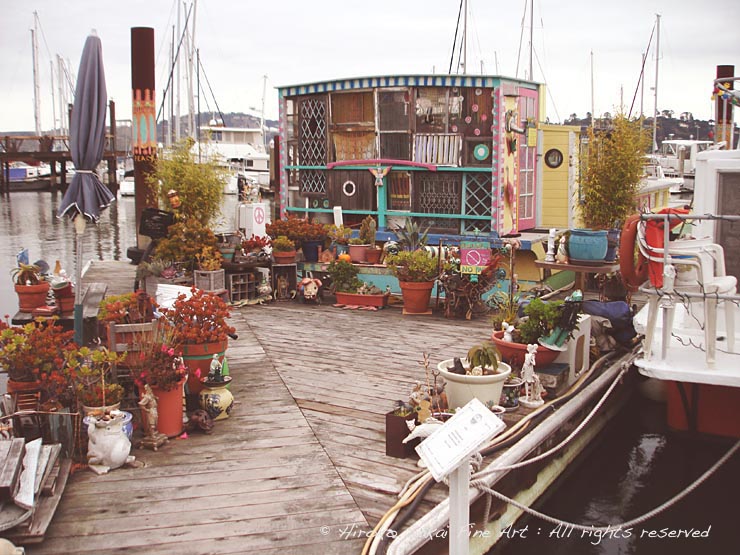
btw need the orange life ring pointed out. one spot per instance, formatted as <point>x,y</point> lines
<point>633,274</point>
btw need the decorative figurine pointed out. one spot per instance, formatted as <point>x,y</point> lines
<point>148,403</point>
<point>508,332</point>
<point>108,445</point>
<point>532,386</point>
<point>550,256</point>
<point>561,257</point>
<point>214,372</point>
<point>200,420</point>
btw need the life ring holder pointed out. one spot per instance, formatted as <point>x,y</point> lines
<point>633,273</point>
<point>346,188</point>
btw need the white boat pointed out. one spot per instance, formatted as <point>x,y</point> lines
<point>127,186</point>
<point>692,337</point>
<point>655,177</point>
<point>678,158</point>
<point>241,150</point>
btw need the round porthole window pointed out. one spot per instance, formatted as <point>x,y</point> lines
<point>553,158</point>
<point>349,188</point>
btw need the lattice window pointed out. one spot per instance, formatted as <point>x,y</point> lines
<point>437,193</point>
<point>312,130</point>
<point>313,182</point>
<point>477,201</point>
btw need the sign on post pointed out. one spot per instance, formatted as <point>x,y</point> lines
<point>447,452</point>
<point>474,256</point>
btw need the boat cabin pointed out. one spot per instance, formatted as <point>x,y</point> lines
<point>456,152</point>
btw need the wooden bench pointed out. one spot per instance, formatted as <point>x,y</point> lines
<point>92,294</point>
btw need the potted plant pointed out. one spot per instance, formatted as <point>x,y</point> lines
<point>610,185</point>
<point>123,318</point>
<point>160,364</point>
<point>367,234</point>
<point>185,240</point>
<point>340,236</point>
<point>396,430</point>
<point>30,355</point>
<point>351,291</point>
<point>416,272</point>
<point>481,374</point>
<point>312,238</point>
<point>30,286</point>
<point>91,373</point>
<point>209,276</point>
<point>199,321</point>
<point>255,244</point>
<point>283,250</point>
<point>541,319</point>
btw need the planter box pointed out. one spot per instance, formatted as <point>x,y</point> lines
<point>354,299</point>
<point>127,338</point>
<point>396,430</point>
<point>210,280</point>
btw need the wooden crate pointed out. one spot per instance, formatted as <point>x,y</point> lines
<point>210,280</point>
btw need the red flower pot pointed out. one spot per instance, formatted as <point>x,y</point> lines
<point>513,353</point>
<point>169,409</point>
<point>31,296</point>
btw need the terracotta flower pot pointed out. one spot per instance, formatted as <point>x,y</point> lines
<point>354,299</point>
<point>284,257</point>
<point>416,296</point>
<point>169,409</point>
<point>31,296</point>
<point>357,252</point>
<point>514,353</point>
<point>372,256</point>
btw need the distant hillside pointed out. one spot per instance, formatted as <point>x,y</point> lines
<point>668,127</point>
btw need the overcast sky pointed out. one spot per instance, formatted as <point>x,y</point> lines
<point>295,41</point>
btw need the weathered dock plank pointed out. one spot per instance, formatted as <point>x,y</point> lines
<point>304,447</point>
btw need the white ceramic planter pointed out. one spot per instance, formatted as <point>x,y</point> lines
<point>461,389</point>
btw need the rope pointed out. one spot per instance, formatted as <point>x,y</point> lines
<point>478,477</point>
<point>630,523</point>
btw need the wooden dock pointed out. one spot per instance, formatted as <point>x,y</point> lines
<point>300,465</point>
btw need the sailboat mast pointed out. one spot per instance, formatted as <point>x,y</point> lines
<point>593,109</point>
<point>262,119</point>
<point>465,39</point>
<point>178,79</point>
<point>531,35</point>
<point>36,91</point>
<point>657,57</point>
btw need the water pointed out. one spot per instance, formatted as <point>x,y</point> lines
<point>28,220</point>
<point>637,465</point>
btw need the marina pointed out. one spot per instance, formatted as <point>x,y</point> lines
<point>410,315</point>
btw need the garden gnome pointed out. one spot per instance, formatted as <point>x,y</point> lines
<point>532,386</point>
<point>214,373</point>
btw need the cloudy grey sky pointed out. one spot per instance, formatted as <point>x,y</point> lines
<point>294,41</point>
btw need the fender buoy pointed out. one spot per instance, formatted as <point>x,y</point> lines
<point>633,273</point>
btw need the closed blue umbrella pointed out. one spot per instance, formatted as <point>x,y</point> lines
<point>86,195</point>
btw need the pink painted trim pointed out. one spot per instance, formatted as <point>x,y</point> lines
<point>381,161</point>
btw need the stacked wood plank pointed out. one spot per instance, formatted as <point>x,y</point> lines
<point>32,479</point>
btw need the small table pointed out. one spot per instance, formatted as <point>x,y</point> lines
<point>580,269</point>
<point>92,294</point>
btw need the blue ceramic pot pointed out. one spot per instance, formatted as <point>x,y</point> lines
<point>587,244</point>
<point>311,250</point>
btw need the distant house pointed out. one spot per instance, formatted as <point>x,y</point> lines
<point>458,152</point>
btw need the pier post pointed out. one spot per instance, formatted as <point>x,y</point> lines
<point>459,509</point>
<point>144,125</point>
